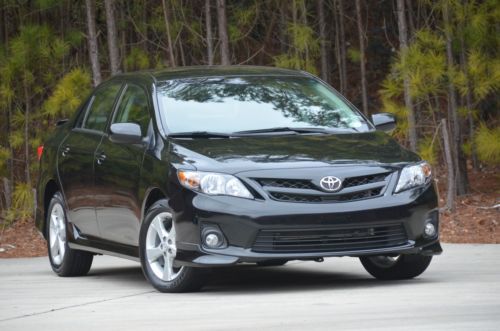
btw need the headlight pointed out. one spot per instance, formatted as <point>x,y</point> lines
<point>213,183</point>
<point>414,175</point>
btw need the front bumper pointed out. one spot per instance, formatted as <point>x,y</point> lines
<point>241,221</point>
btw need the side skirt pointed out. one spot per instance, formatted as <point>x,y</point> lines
<point>106,248</point>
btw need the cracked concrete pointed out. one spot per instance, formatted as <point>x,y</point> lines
<point>459,291</point>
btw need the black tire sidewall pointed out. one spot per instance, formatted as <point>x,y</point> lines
<point>74,262</point>
<point>406,267</point>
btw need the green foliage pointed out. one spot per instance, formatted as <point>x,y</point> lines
<point>68,94</point>
<point>242,20</point>
<point>401,114</point>
<point>488,144</point>
<point>304,49</point>
<point>4,158</point>
<point>428,150</point>
<point>294,62</point>
<point>22,202</point>
<point>354,55</point>
<point>425,64</point>
<point>16,139</point>
<point>137,59</point>
<point>482,75</point>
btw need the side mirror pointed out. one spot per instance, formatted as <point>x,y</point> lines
<point>384,121</point>
<point>125,133</point>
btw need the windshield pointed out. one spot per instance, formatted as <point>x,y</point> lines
<point>255,103</point>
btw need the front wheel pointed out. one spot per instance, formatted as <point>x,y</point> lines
<point>158,250</point>
<point>395,267</point>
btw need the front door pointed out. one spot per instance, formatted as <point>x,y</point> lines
<point>118,172</point>
<point>76,160</point>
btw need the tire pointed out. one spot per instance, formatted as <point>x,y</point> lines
<point>395,268</point>
<point>65,262</point>
<point>157,250</point>
<point>272,263</point>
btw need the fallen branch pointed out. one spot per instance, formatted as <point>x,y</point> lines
<point>492,207</point>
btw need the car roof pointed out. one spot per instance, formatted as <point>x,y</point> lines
<point>160,75</point>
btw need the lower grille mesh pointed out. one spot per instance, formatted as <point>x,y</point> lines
<point>329,240</point>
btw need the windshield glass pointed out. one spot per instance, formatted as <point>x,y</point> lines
<point>229,105</point>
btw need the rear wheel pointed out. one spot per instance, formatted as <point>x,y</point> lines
<point>65,262</point>
<point>395,267</point>
<point>158,250</point>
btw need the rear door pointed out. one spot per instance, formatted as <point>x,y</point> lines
<point>76,159</point>
<point>118,171</point>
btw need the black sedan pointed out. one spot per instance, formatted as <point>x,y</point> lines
<point>194,168</point>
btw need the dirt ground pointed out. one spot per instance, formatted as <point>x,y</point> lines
<point>474,220</point>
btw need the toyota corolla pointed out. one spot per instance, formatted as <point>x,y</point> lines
<point>194,168</point>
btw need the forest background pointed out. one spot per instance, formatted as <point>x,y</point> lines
<point>434,64</point>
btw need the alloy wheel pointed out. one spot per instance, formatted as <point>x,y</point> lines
<point>57,234</point>
<point>161,247</point>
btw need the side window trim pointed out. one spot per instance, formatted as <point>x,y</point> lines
<point>87,110</point>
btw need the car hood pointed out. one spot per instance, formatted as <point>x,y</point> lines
<point>288,151</point>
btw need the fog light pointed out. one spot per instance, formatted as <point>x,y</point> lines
<point>212,240</point>
<point>430,229</point>
<point>212,237</point>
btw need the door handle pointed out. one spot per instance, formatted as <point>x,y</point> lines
<point>100,158</point>
<point>65,150</point>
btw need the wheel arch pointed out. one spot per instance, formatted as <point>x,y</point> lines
<point>51,187</point>
<point>152,195</point>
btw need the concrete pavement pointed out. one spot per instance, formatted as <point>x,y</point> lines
<point>459,291</point>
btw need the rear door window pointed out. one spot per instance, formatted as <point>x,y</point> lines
<point>101,107</point>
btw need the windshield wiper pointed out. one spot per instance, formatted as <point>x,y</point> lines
<point>200,134</point>
<point>284,129</point>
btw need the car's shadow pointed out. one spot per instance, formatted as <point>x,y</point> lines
<point>251,278</point>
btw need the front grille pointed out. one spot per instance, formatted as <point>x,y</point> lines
<point>329,240</point>
<point>361,180</point>
<point>288,183</point>
<point>305,190</point>
<point>287,197</point>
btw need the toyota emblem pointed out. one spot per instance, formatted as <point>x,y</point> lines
<point>330,184</point>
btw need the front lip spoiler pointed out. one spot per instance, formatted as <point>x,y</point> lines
<point>232,255</point>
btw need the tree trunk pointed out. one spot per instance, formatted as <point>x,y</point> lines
<point>27,110</point>
<point>403,48</point>
<point>223,36</point>
<point>283,28</point>
<point>92,41</point>
<point>123,33</point>
<point>462,182</point>
<point>208,26</point>
<point>411,23</point>
<point>450,195</point>
<point>322,37</point>
<point>364,92</point>
<point>7,193</point>
<point>343,48</point>
<point>337,44</point>
<point>9,113</point>
<point>468,103</point>
<point>114,57</point>
<point>170,46</point>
